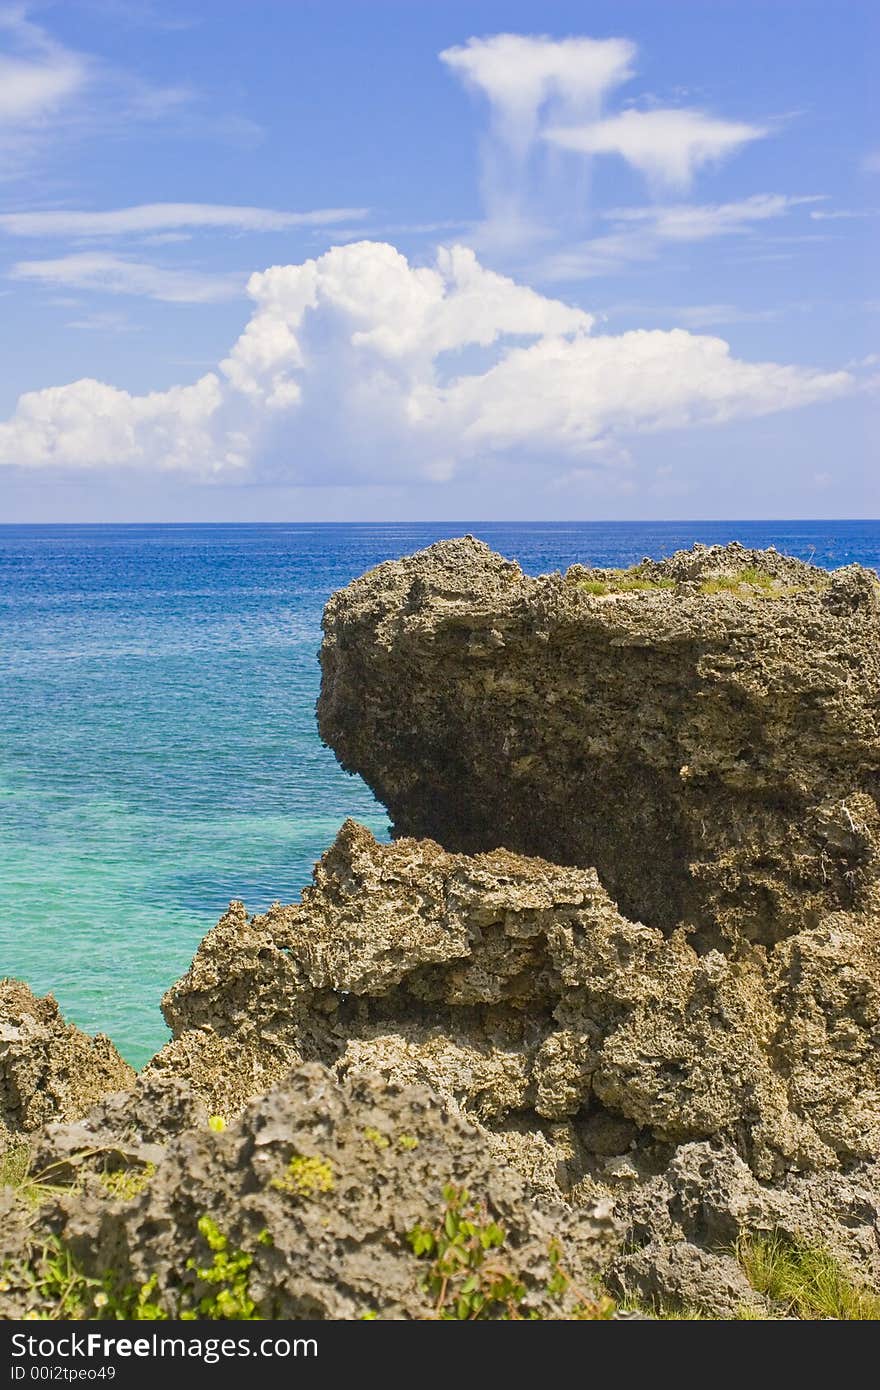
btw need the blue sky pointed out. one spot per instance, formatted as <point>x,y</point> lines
<point>538,261</point>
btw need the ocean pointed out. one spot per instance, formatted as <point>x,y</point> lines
<point>158,748</point>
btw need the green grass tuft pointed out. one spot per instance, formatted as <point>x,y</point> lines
<point>804,1280</point>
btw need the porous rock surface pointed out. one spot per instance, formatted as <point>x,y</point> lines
<point>624,956</point>
<point>708,1094</point>
<point>336,1248</point>
<point>49,1069</point>
<point>516,988</point>
<point>713,752</point>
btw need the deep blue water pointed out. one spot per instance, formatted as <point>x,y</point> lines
<point>158,749</point>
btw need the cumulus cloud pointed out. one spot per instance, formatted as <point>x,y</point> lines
<point>667,146</point>
<point>359,367</point>
<point>531,82</point>
<point>89,270</point>
<point>163,217</point>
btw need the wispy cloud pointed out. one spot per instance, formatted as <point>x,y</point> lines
<point>696,316</point>
<point>841,214</point>
<point>697,221</point>
<point>116,275</point>
<point>51,94</point>
<point>165,217</point>
<point>667,147</point>
<point>106,322</point>
<point>639,233</point>
<point>38,79</point>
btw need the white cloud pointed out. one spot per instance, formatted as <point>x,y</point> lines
<point>520,73</point>
<point>698,221</point>
<point>695,315</point>
<point>530,82</point>
<point>358,367</point>
<point>37,75</point>
<point>639,232</point>
<point>89,270</point>
<point>162,217</point>
<point>30,90</point>
<point>840,215</point>
<point>51,94</point>
<point>104,322</point>
<point>89,425</point>
<point>668,147</point>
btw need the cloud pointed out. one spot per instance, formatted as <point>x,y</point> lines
<point>161,217</point>
<point>37,75</point>
<point>115,275</point>
<point>639,232</point>
<point>39,79</point>
<point>531,82</point>
<point>695,315</point>
<point>104,322</point>
<point>698,221</point>
<point>841,214</point>
<point>358,367</point>
<point>51,94</point>
<point>668,147</point>
<point>520,74</point>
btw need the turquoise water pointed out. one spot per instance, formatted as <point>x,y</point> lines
<point>158,749</point>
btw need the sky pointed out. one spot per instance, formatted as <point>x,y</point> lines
<point>379,260</point>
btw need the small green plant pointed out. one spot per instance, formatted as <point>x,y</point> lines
<point>216,1123</point>
<point>55,1280</point>
<point>305,1177</point>
<point>804,1280</point>
<point>126,1183</point>
<point>227,1275</point>
<point>623,582</point>
<point>468,1276</point>
<point>747,583</point>
<point>376,1137</point>
<point>59,1288</point>
<point>407,1142</point>
<point>33,1189</point>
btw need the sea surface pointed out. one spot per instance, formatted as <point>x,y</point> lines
<point>158,748</point>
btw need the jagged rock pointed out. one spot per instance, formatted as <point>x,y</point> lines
<point>125,1130</point>
<point>706,1199</point>
<point>328,1241</point>
<point>516,989</point>
<point>49,1069</point>
<point>702,730</point>
<point>678,1275</point>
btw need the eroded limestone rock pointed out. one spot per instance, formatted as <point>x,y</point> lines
<point>702,730</point>
<point>49,1069</point>
<point>515,988</point>
<point>328,1235</point>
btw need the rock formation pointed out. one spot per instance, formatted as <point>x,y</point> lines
<point>49,1070</point>
<point>623,955</point>
<point>702,731</point>
<point>317,1186</point>
<point>708,1094</point>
